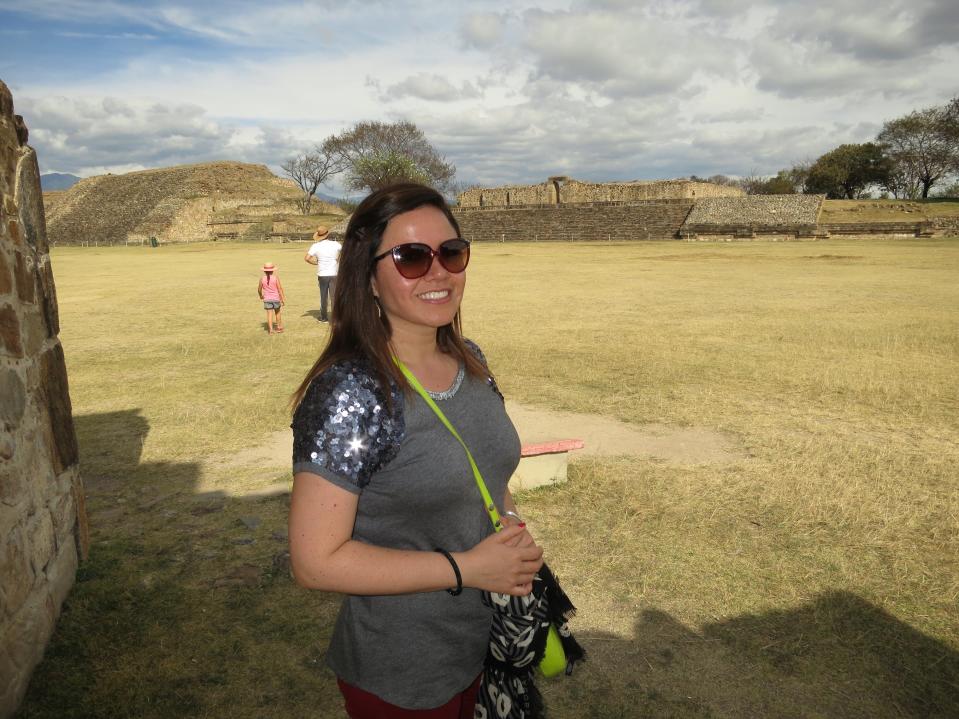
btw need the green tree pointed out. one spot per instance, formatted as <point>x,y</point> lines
<point>923,146</point>
<point>783,182</point>
<point>847,171</point>
<point>379,154</point>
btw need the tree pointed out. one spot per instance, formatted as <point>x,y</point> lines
<point>780,184</point>
<point>309,171</point>
<point>923,145</point>
<point>379,154</point>
<point>950,126</point>
<point>848,170</point>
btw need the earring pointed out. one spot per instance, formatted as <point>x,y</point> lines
<point>379,310</point>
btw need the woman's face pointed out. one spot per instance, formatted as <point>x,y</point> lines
<point>430,301</point>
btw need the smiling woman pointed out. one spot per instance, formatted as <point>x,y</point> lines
<point>385,508</point>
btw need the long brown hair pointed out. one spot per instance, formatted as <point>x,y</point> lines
<point>358,328</point>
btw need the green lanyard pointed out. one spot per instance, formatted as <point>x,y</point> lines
<point>489,503</point>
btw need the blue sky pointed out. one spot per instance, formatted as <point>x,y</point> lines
<point>510,92</point>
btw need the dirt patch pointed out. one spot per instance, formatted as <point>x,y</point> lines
<point>603,436</point>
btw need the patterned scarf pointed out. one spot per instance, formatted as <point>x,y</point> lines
<point>516,645</point>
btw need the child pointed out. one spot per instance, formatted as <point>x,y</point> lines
<point>270,291</point>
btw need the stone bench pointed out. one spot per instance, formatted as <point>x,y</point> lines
<point>543,463</point>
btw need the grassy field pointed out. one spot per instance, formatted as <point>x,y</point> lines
<point>816,577</point>
<point>888,210</point>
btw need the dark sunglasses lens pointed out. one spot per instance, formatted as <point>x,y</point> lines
<point>454,255</point>
<point>412,260</point>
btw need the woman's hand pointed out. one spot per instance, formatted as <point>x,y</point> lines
<point>499,564</point>
<point>523,540</point>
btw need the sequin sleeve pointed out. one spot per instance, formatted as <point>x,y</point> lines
<point>342,429</point>
<point>490,380</point>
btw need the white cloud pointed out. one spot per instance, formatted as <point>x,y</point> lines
<point>483,30</point>
<point>510,92</point>
<point>83,135</point>
<point>623,54</point>
<point>432,87</point>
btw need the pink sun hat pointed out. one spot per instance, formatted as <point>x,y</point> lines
<point>269,267</point>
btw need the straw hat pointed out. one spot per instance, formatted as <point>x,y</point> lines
<point>321,233</point>
<point>269,267</point>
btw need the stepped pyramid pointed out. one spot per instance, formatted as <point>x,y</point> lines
<point>186,203</point>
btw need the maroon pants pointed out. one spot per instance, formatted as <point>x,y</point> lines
<point>363,705</point>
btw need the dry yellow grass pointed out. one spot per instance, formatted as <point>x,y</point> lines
<point>816,577</point>
<point>887,210</point>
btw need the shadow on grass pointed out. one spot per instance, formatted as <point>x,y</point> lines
<point>315,314</point>
<point>837,656</point>
<point>181,609</point>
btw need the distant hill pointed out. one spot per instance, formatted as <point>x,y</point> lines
<point>332,199</point>
<point>57,181</point>
<point>186,203</point>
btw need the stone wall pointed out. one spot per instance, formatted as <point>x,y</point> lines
<point>42,520</point>
<point>758,210</point>
<point>653,220</point>
<point>564,191</point>
<point>774,217</point>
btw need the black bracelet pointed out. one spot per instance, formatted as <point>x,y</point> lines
<point>456,571</point>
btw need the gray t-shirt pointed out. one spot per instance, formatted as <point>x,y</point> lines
<point>416,491</point>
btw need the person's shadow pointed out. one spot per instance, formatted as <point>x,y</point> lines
<point>837,656</point>
<point>315,314</point>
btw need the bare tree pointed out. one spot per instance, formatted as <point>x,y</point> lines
<point>923,145</point>
<point>379,154</point>
<point>309,171</point>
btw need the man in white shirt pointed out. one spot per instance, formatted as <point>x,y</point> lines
<point>325,254</point>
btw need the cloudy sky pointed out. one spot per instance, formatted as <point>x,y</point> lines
<point>510,92</point>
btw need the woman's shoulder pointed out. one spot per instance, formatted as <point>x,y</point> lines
<point>350,380</point>
<point>345,425</point>
<point>478,353</point>
<point>475,349</point>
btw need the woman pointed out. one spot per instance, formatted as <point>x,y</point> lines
<point>385,508</point>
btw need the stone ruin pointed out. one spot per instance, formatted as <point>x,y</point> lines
<point>562,190</point>
<point>43,530</point>
<point>563,209</point>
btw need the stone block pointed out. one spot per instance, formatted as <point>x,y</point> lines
<point>6,101</point>
<point>63,511</point>
<point>25,641</point>
<point>31,466</point>
<point>10,332</point>
<point>6,280</point>
<point>61,574</point>
<point>23,274</point>
<point>13,229</point>
<point>48,291</point>
<point>9,674</point>
<point>7,448</point>
<point>16,574</point>
<point>29,198</point>
<point>12,481</point>
<point>54,388</point>
<point>33,329</point>
<point>13,397</point>
<point>41,543</point>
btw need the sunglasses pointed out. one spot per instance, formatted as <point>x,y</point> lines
<point>414,259</point>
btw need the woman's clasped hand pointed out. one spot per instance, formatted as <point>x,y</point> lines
<point>505,562</point>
